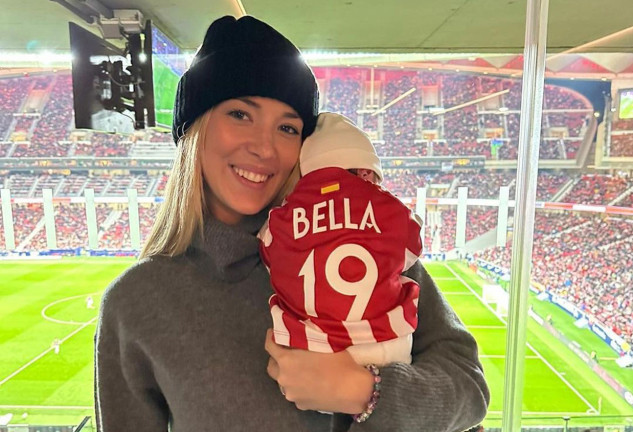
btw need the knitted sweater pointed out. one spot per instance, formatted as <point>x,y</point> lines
<point>180,345</point>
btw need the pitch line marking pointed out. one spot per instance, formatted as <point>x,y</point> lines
<point>36,358</point>
<point>546,413</point>
<point>47,318</point>
<point>457,293</point>
<point>562,378</point>
<point>497,356</point>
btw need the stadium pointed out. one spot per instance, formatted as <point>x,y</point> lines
<point>78,201</point>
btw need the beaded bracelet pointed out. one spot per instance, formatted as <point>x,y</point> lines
<point>375,395</point>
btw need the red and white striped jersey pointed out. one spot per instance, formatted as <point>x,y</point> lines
<point>336,250</point>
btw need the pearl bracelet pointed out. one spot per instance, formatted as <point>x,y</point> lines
<point>375,395</point>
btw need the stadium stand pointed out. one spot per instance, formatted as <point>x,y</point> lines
<point>565,260</point>
<point>597,189</point>
<point>621,139</point>
<point>399,131</point>
<point>13,91</point>
<point>54,123</point>
<point>593,272</point>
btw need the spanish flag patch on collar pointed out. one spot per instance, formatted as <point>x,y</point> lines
<point>332,187</point>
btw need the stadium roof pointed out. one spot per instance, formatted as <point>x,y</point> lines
<point>484,27</point>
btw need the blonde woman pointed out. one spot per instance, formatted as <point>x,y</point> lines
<point>196,356</point>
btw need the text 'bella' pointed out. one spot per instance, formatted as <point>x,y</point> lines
<point>323,219</point>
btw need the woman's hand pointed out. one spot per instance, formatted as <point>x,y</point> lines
<point>317,381</point>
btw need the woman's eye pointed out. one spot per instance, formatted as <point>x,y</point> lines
<point>290,129</point>
<point>238,114</point>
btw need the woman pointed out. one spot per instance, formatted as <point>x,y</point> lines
<point>192,358</point>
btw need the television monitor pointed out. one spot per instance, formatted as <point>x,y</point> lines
<point>168,65</point>
<point>626,104</point>
<point>94,62</point>
<point>112,87</point>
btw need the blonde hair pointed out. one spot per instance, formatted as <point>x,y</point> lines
<point>182,213</point>
<point>288,185</point>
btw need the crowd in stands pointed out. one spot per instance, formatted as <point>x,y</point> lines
<point>549,183</point>
<point>627,201</point>
<point>440,237</point>
<point>103,145</point>
<point>399,129</point>
<point>4,148</point>
<point>621,138</point>
<point>116,235</point>
<point>485,184</point>
<point>42,82</point>
<point>400,118</point>
<point>621,145</point>
<point>370,125</point>
<point>25,218</point>
<point>572,121</point>
<point>401,182</point>
<point>74,184</point>
<point>70,225</point>
<point>13,91</point>
<point>558,97</point>
<point>589,189</point>
<point>461,127</point>
<point>598,189</point>
<point>24,123</point>
<point>343,96</point>
<point>401,148</point>
<point>592,271</point>
<point>54,123</point>
<point>479,221</point>
<point>147,216</point>
<point>512,99</point>
<point>404,183</point>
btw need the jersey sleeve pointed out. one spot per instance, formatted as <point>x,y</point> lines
<point>266,238</point>
<point>414,240</point>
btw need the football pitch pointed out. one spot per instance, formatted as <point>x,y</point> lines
<point>41,301</point>
<point>626,105</point>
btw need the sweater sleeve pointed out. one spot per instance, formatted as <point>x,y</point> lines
<point>444,389</point>
<point>127,397</point>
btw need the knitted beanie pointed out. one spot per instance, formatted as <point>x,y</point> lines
<point>245,57</point>
<point>337,142</point>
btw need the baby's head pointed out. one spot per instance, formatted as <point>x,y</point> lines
<point>337,142</point>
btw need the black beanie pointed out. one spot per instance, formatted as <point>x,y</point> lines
<point>245,57</point>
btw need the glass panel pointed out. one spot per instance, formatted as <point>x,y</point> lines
<point>440,122</point>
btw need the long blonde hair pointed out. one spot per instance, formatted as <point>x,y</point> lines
<point>182,213</point>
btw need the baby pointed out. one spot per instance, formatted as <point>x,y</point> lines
<point>336,249</point>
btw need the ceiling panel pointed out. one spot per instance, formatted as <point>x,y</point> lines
<point>349,25</point>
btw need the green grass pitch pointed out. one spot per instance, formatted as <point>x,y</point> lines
<point>44,300</point>
<point>626,108</point>
<point>165,85</point>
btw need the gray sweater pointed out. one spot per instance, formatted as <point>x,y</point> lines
<point>180,345</point>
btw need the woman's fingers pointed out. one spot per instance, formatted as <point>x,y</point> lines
<point>273,369</point>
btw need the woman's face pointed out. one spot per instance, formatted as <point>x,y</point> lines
<point>251,146</point>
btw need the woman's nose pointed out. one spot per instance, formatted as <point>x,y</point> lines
<point>262,144</point>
